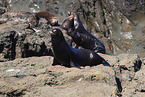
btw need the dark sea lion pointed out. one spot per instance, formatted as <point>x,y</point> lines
<point>81,36</point>
<point>69,56</point>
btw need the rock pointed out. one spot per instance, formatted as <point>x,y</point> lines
<point>22,74</point>
<point>18,41</point>
<point>2,11</point>
<point>8,42</point>
<point>26,75</point>
<point>140,75</point>
<point>125,66</point>
<point>35,76</point>
<point>77,89</point>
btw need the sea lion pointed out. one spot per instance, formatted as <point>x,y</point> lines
<point>35,17</point>
<point>81,36</point>
<point>52,20</point>
<point>68,56</point>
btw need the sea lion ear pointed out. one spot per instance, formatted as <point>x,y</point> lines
<point>70,13</point>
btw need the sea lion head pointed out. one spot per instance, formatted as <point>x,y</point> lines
<point>56,33</point>
<point>72,22</point>
<point>54,21</point>
<point>68,23</point>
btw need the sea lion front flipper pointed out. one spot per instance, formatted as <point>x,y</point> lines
<point>105,63</point>
<point>55,62</point>
<point>74,64</point>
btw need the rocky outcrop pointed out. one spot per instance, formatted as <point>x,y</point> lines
<point>36,76</point>
<point>18,40</point>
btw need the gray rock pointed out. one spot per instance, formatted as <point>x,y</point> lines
<point>35,76</point>
<point>17,40</point>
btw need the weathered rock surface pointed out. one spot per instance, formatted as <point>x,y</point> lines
<point>17,40</point>
<point>36,76</point>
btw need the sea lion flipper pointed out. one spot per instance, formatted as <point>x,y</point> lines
<point>55,62</point>
<point>74,64</point>
<point>105,63</point>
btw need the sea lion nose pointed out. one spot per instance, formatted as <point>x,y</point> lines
<point>53,30</point>
<point>50,32</point>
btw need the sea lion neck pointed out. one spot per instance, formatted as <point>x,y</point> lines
<point>78,25</point>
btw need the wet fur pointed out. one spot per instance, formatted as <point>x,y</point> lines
<point>81,36</point>
<point>68,56</point>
